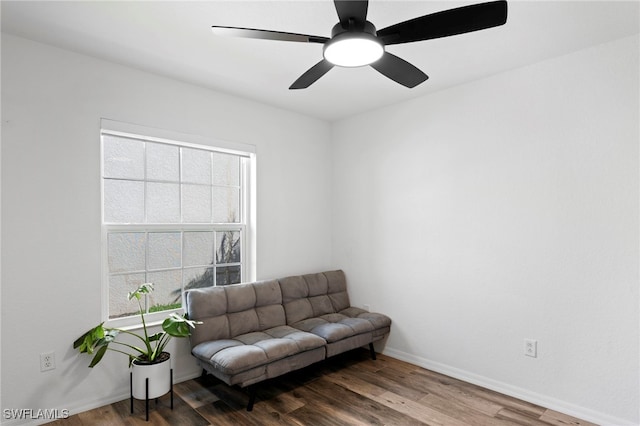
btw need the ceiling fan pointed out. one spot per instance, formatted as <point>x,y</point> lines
<point>355,42</point>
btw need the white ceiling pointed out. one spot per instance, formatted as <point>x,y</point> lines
<point>174,39</point>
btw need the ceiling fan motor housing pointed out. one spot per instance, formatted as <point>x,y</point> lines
<point>354,27</point>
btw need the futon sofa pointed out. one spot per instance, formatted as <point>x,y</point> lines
<point>256,331</point>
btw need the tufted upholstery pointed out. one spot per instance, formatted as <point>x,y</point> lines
<point>255,331</point>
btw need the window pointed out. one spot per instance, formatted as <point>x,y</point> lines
<point>175,213</point>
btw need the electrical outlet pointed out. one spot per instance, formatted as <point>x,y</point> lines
<point>366,308</point>
<point>531,348</point>
<point>47,361</point>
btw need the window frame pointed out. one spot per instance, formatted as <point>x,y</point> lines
<point>247,208</point>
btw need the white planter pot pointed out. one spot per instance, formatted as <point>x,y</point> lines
<point>159,376</point>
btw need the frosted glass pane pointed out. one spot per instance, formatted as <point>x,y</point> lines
<point>228,275</point>
<point>123,158</point>
<point>196,204</point>
<point>196,166</point>
<point>163,202</point>
<point>123,201</point>
<point>198,249</point>
<point>119,288</point>
<point>198,278</point>
<point>163,162</point>
<point>226,169</point>
<point>164,250</point>
<point>226,205</point>
<point>228,250</point>
<point>126,252</point>
<point>167,290</point>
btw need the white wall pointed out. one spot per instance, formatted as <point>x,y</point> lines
<point>52,102</point>
<point>501,210</point>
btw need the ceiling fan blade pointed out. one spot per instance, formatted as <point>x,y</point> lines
<point>399,70</point>
<point>351,9</point>
<point>312,74</point>
<point>446,23</point>
<point>266,34</point>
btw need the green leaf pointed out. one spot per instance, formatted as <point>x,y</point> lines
<point>156,336</point>
<point>88,341</point>
<point>79,341</point>
<point>178,326</point>
<point>111,334</point>
<point>145,288</point>
<point>96,359</point>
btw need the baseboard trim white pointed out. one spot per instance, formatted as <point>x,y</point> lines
<point>510,390</point>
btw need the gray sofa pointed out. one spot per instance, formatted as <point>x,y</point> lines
<point>257,331</point>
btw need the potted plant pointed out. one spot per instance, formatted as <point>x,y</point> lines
<point>147,358</point>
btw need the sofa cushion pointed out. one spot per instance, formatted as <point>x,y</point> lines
<point>229,311</point>
<point>298,310</point>
<point>232,358</point>
<point>337,290</point>
<point>295,300</point>
<point>308,296</point>
<point>270,316</point>
<point>246,351</point>
<point>293,288</point>
<point>243,322</point>
<point>208,305</point>
<point>268,293</point>
<point>316,283</point>
<point>334,327</point>
<point>213,328</point>
<point>206,302</point>
<point>377,320</point>
<point>321,305</point>
<point>240,297</point>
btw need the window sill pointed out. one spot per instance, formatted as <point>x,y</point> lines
<point>134,323</point>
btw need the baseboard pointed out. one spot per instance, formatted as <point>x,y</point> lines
<point>90,404</point>
<point>510,390</point>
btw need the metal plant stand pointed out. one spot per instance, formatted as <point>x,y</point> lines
<point>146,386</point>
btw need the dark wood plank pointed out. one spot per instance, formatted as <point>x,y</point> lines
<point>195,393</point>
<point>361,408</point>
<point>160,413</point>
<point>221,414</point>
<point>376,385</point>
<point>520,418</point>
<point>560,419</point>
<point>459,410</point>
<point>445,388</point>
<point>478,393</point>
<point>392,384</point>
<point>319,414</point>
<point>279,397</point>
<point>103,416</point>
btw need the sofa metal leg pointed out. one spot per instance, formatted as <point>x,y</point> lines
<point>373,351</point>
<point>252,397</point>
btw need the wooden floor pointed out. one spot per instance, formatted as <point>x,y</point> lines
<point>349,389</point>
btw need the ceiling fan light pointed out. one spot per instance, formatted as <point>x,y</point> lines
<point>353,51</point>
